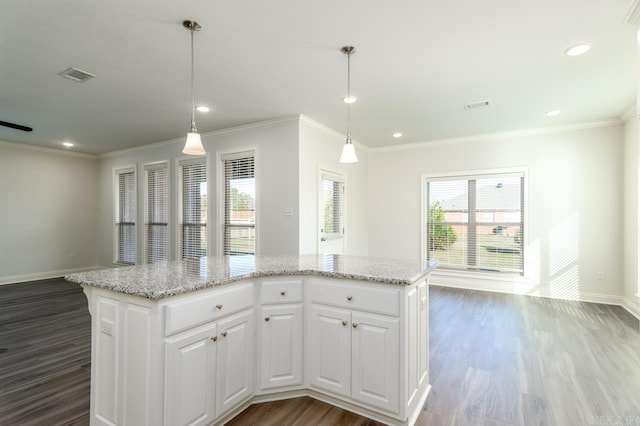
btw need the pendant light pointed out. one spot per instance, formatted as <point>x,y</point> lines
<point>193,145</point>
<point>348,150</point>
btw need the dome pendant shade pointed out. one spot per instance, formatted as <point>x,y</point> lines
<point>193,144</point>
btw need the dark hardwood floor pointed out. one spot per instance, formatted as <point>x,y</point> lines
<point>496,359</point>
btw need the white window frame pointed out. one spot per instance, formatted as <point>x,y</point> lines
<point>157,165</point>
<point>117,171</point>
<point>222,156</point>
<point>467,175</point>
<point>179,216</point>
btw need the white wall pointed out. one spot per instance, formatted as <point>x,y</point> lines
<point>574,202</point>
<point>320,148</point>
<point>276,143</point>
<point>48,213</point>
<point>630,222</point>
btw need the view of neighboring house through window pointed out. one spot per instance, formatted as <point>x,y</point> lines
<point>125,216</point>
<point>193,208</point>
<point>476,222</point>
<point>156,213</point>
<point>238,205</point>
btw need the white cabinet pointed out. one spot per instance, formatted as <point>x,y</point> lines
<point>330,349</point>
<point>234,367</point>
<point>356,355</point>
<point>190,377</point>
<point>281,334</point>
<point>375,365</point>
<point>281,343</point>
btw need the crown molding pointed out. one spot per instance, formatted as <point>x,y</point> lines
<point>633,14</point>
<point>502,135</point>
<point>313,123</point>
<point>210,135</point>
<point>45,150</point>
<point>629,113</point>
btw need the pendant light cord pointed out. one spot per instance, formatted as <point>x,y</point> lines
<point>348,96</point>
<point>193,92</point>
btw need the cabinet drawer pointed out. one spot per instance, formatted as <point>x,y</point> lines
<point>379,299</point>
<point>203,308</point>
<point>281,291</point>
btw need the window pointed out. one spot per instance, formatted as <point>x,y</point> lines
<point>239,205</point>
<point>476,222</point>
<point>332,218</point>
<point>193,208</point>
<point>125,216</point>
<point>156,213</point>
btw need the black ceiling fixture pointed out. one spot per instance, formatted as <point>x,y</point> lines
<point>16,126</point>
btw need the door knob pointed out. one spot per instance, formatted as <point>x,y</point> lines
<point>219,306</point>
<point>355,325</point>
<point>214,338</point>
<point>224,334</point>
<point>267,318</point>
<point>344,323</point>
<point>349,298</point>
<point>282,293</point>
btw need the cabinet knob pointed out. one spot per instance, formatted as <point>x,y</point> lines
<point>355,325</point>
<point>349,297</point>
<point>282,293</point>
<point>219,306</point>
<point>224,334</point>
<point>214,338</point>
<point>267,318</point>
<point>344,323</point>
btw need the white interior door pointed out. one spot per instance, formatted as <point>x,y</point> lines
<point>331,213</point>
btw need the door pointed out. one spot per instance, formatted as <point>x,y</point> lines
<point>190,376</point>
<point>331,213</point>
<point>281,346</point>
<point>376,360</point>
<point>234,360</point>
<point>330,349</point>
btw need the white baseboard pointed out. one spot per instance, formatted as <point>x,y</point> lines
<point>43,275</point>
<point>518,285</point>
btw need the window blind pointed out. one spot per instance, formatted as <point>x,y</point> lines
<point>125,216</point>
<point>239,207</point>
<point>157,213</point>
<point>333,202</point>
<point>476,222</point>
<point>193,212</point>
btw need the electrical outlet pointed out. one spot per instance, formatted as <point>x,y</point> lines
<point>600,276</point>
<point>106,327</point>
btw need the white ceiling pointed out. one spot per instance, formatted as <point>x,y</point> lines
<point>417,63</point>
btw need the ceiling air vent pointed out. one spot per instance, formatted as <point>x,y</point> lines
<point>476,105</point>
<point>76,74</point>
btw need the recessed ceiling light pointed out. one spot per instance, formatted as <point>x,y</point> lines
<point>67,144</point>
<point>577,50</point>
<point>552,113</point>
<point>203,108</point>
<point>397,135</point>
<point>349,99</point>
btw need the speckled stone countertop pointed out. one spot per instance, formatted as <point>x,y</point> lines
<point>178,277</point>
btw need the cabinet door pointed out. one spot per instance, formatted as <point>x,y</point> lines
<point>190,362</point>
<point>234,360</point>
<point>376,356</point>
<point>281,346</point>
<point>423,329</point>
<point>330,349</point>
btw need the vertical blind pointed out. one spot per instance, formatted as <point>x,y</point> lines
<point>239,206</point>
<point>476,222</point>
<point>157,213</point>
<point>125,216</point>
<point>193,217</point>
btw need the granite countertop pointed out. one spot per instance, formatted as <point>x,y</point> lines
<point>178,277</point>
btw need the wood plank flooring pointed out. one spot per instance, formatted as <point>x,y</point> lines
<point>496,359</point>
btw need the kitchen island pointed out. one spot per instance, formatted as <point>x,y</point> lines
<point>197,341</point>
